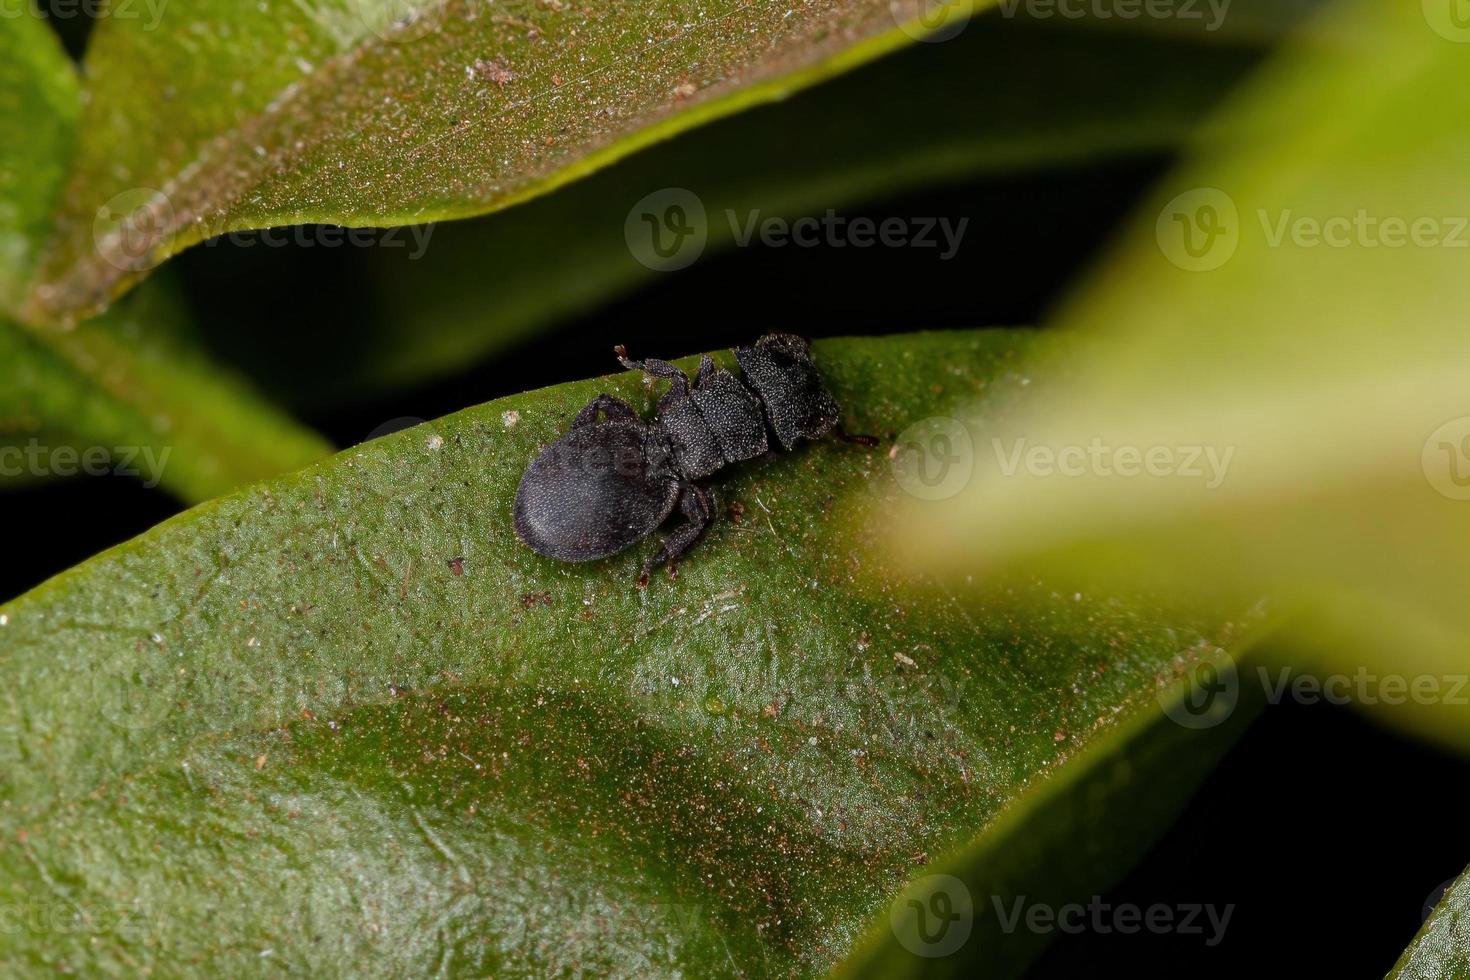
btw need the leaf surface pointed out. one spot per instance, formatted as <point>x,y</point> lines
<point>38,111</point>
<point>1442,948</point>
<point>344,721</point>
<point>130,393</point>
<point>226,115</point>
<point>133,385</point>
<point>999,98</point>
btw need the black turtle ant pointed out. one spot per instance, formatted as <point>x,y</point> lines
<point>614,478</point>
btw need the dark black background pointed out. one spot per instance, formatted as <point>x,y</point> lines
<point>1325,832</point>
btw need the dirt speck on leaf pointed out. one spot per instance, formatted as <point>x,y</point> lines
<point>493,70</point>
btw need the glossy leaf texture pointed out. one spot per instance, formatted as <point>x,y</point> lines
<point>344,721</point>
<point>1271,381</point>
<point>220,115</point>
<point>131,391</point>
<point>1442,948</point>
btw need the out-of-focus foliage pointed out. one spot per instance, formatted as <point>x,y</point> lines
<point>1277,365</point>
<point>129,391</point>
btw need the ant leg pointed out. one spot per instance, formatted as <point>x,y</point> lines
<point>856,440</point>
<point>697,504</point>
<point>608,407</point>
<point>706,371</point>
<point>678,380</point>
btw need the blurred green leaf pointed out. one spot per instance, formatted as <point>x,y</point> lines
<point>344,722</point>
<point>226,116</point>
<point>38,110</point>
<point>130,387</point>
<point>1295,307</point>
<point>1442,948</point>
<point>1000,97</point>
<point>128,392</point>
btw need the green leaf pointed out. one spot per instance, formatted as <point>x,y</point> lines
<point>1442,948</point>
<point>345,722</point>
<point>1311,330</point>
<point>1000,97</point>
<point>230,115</point>
<point>1100,811</point>
<point>129,391</point>
<point>39,104</point>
